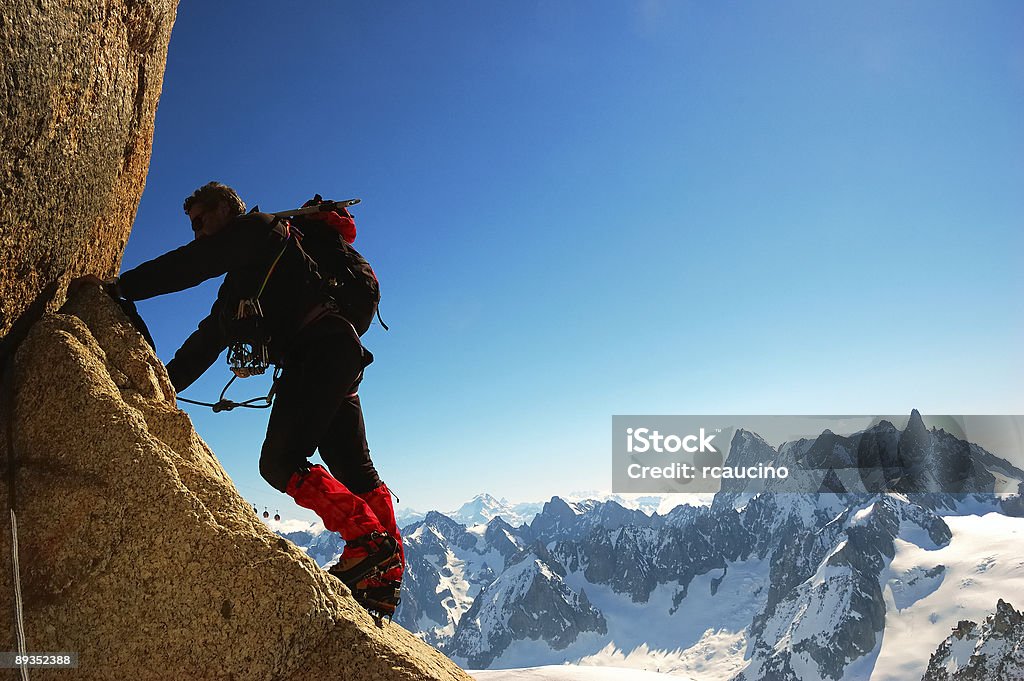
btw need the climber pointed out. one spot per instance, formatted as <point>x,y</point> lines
<point>314,339</point>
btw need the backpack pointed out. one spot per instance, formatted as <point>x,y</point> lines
<point>340,271</point>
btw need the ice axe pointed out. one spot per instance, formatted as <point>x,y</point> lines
<point>322,207</point>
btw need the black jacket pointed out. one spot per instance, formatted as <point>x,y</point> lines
<point>245,250</point>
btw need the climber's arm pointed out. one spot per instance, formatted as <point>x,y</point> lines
<point>193,263</point>
<point>199,352</point>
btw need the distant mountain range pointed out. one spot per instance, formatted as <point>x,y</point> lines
<point>756,585</point>
<point>482,508</point>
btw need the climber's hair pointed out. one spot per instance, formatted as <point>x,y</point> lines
<point>213,194</point>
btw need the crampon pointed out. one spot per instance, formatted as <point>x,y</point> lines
<point>379,597</point>
<point>364,575</point>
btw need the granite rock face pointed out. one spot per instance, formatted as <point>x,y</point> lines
<point>137,551</point>
<point>78,95</point>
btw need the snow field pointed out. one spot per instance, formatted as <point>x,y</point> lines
<point>983,563</point>
<point>572,673</point>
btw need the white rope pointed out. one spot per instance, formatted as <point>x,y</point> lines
<point>18,609</point>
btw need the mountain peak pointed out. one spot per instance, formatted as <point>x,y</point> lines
<point>1006,617</point>
<point>498,521</point>
<point>439,520</point>
<point>915,431</point>
<point>916,420</point>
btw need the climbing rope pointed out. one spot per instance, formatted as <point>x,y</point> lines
<point>223,404</point>
<point>7,381</point>
<point>19,611</point>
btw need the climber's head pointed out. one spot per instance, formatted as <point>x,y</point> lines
<point>211,207</point>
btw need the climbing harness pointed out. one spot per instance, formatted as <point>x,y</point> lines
<point>249,354</point>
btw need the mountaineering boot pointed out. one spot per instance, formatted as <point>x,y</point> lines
<point>364,557</point>
<point>379,501</point>
<point>369,548</point>
<point>381,594</point>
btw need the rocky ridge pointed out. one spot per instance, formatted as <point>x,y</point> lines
<point>993,649</point>
<point>136,549</point>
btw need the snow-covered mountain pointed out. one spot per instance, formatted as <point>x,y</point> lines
<point>648,503</point>
<point>756,585</point>
<point>407,516</point>
<point>565,672</point>
<point>991,650</point>
<point>528,600</point>
<point>789,587</point>
<point>482,508</point>
<point>478,510</point>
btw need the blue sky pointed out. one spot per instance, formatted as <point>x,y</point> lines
<point>580,209</point>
